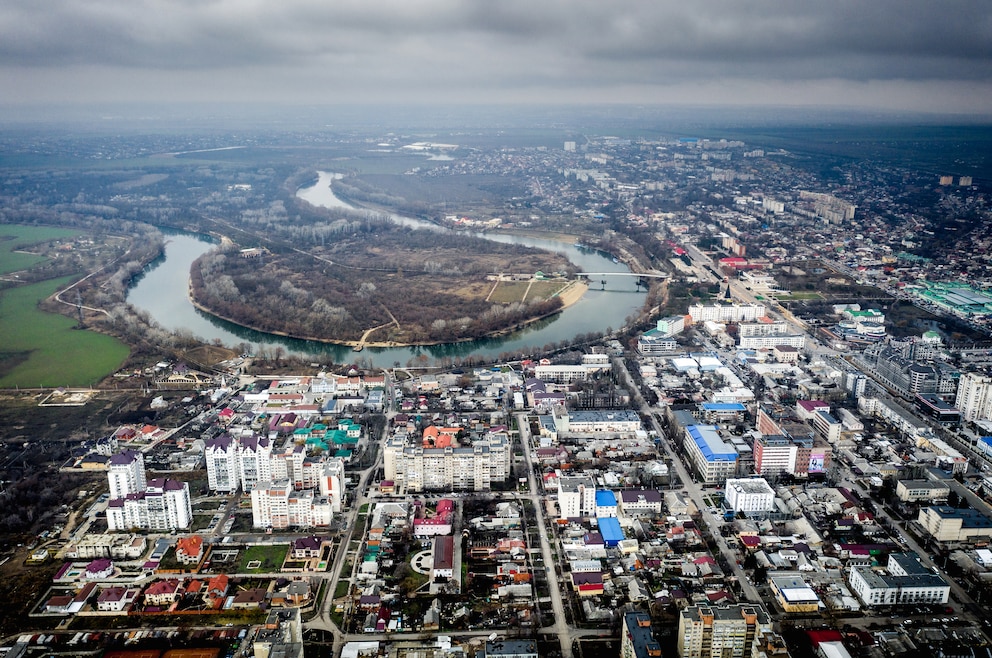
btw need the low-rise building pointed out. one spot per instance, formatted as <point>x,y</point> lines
<point>793,594</point>
<point>952,524</point>
<point>752,496</point>
<point>905,581</point>
<point>922,491</point>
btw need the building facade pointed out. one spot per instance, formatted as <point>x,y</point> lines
<point>974,397</point>
<point>471,467</point>
<point>720,632</point>
<point>713,459</point>
<point>905,581</point>
<point>752,496</point>
<point>126,473</point>
<point>164,506</point>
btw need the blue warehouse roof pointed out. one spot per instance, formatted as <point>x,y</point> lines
<point>609,527</point>
<point>723,406</point>
<point>708,440</point>
<point>605,498</point>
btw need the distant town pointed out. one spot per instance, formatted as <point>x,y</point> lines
<point>785,453</point>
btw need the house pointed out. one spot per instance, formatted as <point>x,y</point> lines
<point>116,599</point>
<point>306,547</point>
<point>58,604</point>
<point>249,598</point>
<point>296,593</point>
<point>216,590</point>
<point>163,592</point>
<point>99,569</point>
<point>189,550</point>
<point>588,583</point>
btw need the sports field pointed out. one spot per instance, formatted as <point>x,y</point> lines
<point>43,349</point>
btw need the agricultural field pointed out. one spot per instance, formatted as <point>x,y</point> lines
<point>37,346</point>
<point>16,242</point>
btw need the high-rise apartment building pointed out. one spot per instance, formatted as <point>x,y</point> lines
<point>221,456</point>
<point>163,506</point>
<point>636,638</point>
<point>126,473</point>
<point>974,397</point>
<point>724,632</point>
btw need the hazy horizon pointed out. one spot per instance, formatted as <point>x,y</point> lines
<point>889,56</point>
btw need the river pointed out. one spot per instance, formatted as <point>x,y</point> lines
<point>161,291</point>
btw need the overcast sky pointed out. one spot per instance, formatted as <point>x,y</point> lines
<point>884,54</point>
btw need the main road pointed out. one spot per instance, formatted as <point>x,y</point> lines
<point>561,627</point>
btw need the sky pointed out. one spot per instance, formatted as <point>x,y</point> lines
<point>899,55</point>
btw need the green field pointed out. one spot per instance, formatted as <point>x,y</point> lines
<point>14,238</point>
<point>271,558</point>
<point>508,292</point>
<point>43,349</point>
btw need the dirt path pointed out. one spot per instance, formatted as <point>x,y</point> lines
<point>368,332</point>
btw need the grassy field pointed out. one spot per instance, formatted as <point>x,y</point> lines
<point>43,349</point>
<point>271,558</point>
<point>508,292</point>
<point>14,238</point>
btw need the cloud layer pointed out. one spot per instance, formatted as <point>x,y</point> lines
<point>909,54</point>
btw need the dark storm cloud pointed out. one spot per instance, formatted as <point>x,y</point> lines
<point>459,49</point>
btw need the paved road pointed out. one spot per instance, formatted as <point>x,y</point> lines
<point>561,627</point>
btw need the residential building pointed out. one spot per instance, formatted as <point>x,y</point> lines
<point>905,581</point>
<point>332,483</point>
<point>189,550</point>
<point>720,632</point>
<point>278,505</point>
<point>726,312</point>
<point>221,456</point>
<point>126,473</point>
<point>561,374</point>
<point>473,466</point>
<point>254,455</point>
<point>163,506</point>
<point>636,638</point>
<point>974,397</point>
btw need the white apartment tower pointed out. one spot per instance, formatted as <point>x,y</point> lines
<point>254,461</point>
<point>162,506</point>
<point>221,456</point>
<point>974,398</point>
<point>332,483</point>
<point>126,473</point>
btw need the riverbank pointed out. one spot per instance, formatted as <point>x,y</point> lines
<point>571,294</point>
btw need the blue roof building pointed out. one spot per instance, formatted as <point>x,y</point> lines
<point>713,459</point>
<point>609,528</point>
